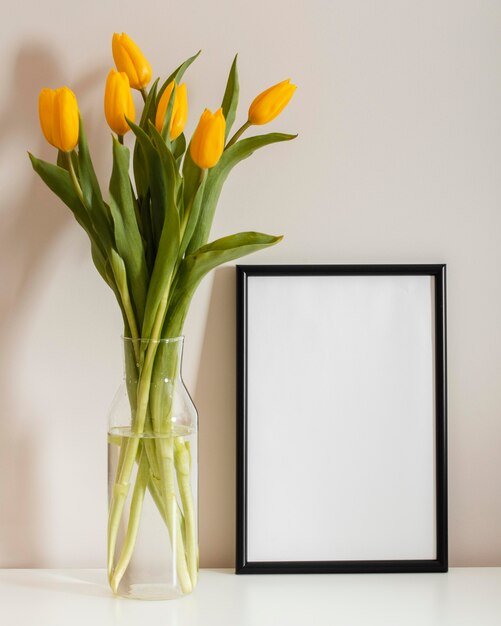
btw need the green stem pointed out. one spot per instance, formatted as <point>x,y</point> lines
<point>154,489</point>
<point>187,213</point>
<point>119,497</point>
<point>73,177</point>
<point>129,312</point>
<point>144,93</point>
<point>153,483</point>
<point>237,135</point>
<point>165,447</point>
<point>161,409</point>
<point>134,518</point>
<point>120,139</point>
<point>184,222</point>
<point>172,517</point>
<point>182,462</point>
<point>149,446</point>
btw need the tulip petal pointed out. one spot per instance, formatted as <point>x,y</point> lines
<point>163,104</point>
<point>179,113</point>
<point>129,59</point>
<point>65,120</point>
<point>270,103</point>
<point>118,102</point>
<point>123,61</point>
<point>207,143</point>
<point>45,112</point>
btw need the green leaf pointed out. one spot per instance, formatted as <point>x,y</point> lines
<point>96,208</point>
<point>168,115</point>
<point>230,99</point>
<point>120,276</point>
<point>178,147</point>
<point>140,171</point>
<point>198,264</point>
<point>157,182</point>
<point>127,235</point>
<point>177,74</point>
<point>166,156</point>
<point>180,197</point>
<point>144,207</point>
<point>162,177</point>
<point>139,164</point>
<point>119,271</point>
<point>241,150</point>
<point>191,172</point>
<point>229,248</point>
<point>100,264</point>
<point>191,177</point>
<point>58,180</point>
<point>150,106</point>
<point>169,166</point>
<point>62,160</point>
<point>191,219</point>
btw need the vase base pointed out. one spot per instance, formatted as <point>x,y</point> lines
<point>151,592</point>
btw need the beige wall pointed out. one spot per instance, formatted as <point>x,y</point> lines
<point>398,160</point>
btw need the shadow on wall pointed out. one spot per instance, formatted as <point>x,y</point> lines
<point>215,400</point>
<point>29,226</point>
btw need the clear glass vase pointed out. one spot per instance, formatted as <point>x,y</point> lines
<point>152,476</point>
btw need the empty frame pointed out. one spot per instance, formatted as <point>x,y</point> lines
<point>341,434</point>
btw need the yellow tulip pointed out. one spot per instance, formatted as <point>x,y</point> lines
<point>179,110</point>
<point>207,143</point>
<point>129,59</point>
<point>118,102</point>
<point>271,102</point>
<point>59,119</point>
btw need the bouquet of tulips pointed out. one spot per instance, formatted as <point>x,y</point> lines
<point>149,235</point>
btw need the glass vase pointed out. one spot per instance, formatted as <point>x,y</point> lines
<point>152,476</point>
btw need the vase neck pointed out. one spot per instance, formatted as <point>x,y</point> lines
<point>165,355</point>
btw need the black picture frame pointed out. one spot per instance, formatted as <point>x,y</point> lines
<point>245,563</point>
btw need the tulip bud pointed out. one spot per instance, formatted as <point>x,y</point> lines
<point>129,59</point>
<point>118,102</point>
<point>271,102</point>
<point>59,119</point>
<point>207,143</point>
<point>179,110</point>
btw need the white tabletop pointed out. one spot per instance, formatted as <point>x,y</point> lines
<point>464,596</point>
